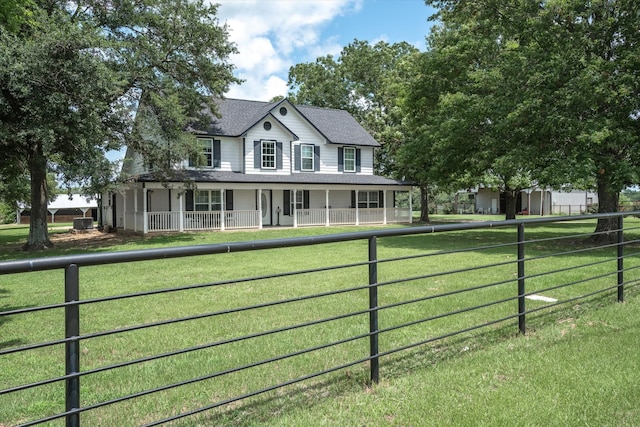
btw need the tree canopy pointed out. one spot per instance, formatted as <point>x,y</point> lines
<point>72,76</point>
<point>524,93</point>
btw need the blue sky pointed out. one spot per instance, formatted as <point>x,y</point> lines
<point>273,35</point>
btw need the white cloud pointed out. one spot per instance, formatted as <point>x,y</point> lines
<point>273,35</point>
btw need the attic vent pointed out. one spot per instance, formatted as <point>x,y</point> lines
<point>267,125</point>
<point>283,111</point>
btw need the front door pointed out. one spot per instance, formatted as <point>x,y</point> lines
<point>266,207</point>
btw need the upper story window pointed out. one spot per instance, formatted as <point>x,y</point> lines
<point>306,157</point>
<point>210,149</point>
<point>349,159</point>
<point>268,155</point>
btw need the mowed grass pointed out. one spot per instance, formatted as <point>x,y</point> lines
<point>572,368</point>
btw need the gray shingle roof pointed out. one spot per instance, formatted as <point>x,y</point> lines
<point>298,178</point>
<point>237,116</point>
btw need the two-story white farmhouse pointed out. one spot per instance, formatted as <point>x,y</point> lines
<point>267,164</point>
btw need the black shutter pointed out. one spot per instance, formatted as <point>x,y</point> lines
<point>305,199</point>
<point>257,154</point>
<point>381,199</point>
<point>297,162</point>
<point>358,161</point>
<point>216,154</point>
<point>316,158</point>
<point>340,159</point>
<point>394,200</point>
<point>278,155</point>
<point>189,200</point>
<point>228,200</point>
<point>286,196</point>
<point>353,199</point>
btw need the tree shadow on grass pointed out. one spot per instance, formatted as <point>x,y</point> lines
<point>69,243</point>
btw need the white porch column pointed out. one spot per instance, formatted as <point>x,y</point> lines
<point>326,205</point>
<point>295,209</point>
<point>357,210</point>
<point>259,207</point>
<point>410,207</point>
<point>541,201</point>
<point>181,218</point>
<point>135,209</point>
<point>223,200</point>
<point>384,209</point>
<point>145,220</point>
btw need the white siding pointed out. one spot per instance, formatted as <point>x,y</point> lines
<point>329,159</point>
<point>276,133</point>
<point>231,154</point>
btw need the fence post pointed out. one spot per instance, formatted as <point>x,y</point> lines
<point>521,284</point>
<point>72,348</point>
<point>620,259</point>
<point>373,310</point>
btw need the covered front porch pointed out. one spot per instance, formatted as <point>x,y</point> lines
<point>149,207</point>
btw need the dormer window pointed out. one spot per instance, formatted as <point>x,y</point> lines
<point>268,151</point>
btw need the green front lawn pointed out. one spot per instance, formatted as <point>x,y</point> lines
<point>556,374</point>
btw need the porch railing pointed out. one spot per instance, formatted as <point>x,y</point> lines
<point>311,217</point>
<point>240,219</point>
<point>371,216</point>
<point>342,216</point>
<point>201,221</point>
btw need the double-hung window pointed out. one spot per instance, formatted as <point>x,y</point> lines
<point>306,157</point>
<point>268,151</point>
<point>207,200</point>
<point>368,199</point>
<point>208,155</point>
<point>349,159</point>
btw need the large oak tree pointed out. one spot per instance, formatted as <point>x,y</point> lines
<point>73,74</point>
<point>548,90</point>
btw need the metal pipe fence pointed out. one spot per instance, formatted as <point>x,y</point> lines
<point>394,303</point>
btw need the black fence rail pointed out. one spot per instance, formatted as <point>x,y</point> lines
<point>347,310</point>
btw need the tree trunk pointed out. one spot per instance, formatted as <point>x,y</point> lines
<point>38,233</point>
<point>608,198</point>
<point>424,204</point>
<point>511,197</point>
